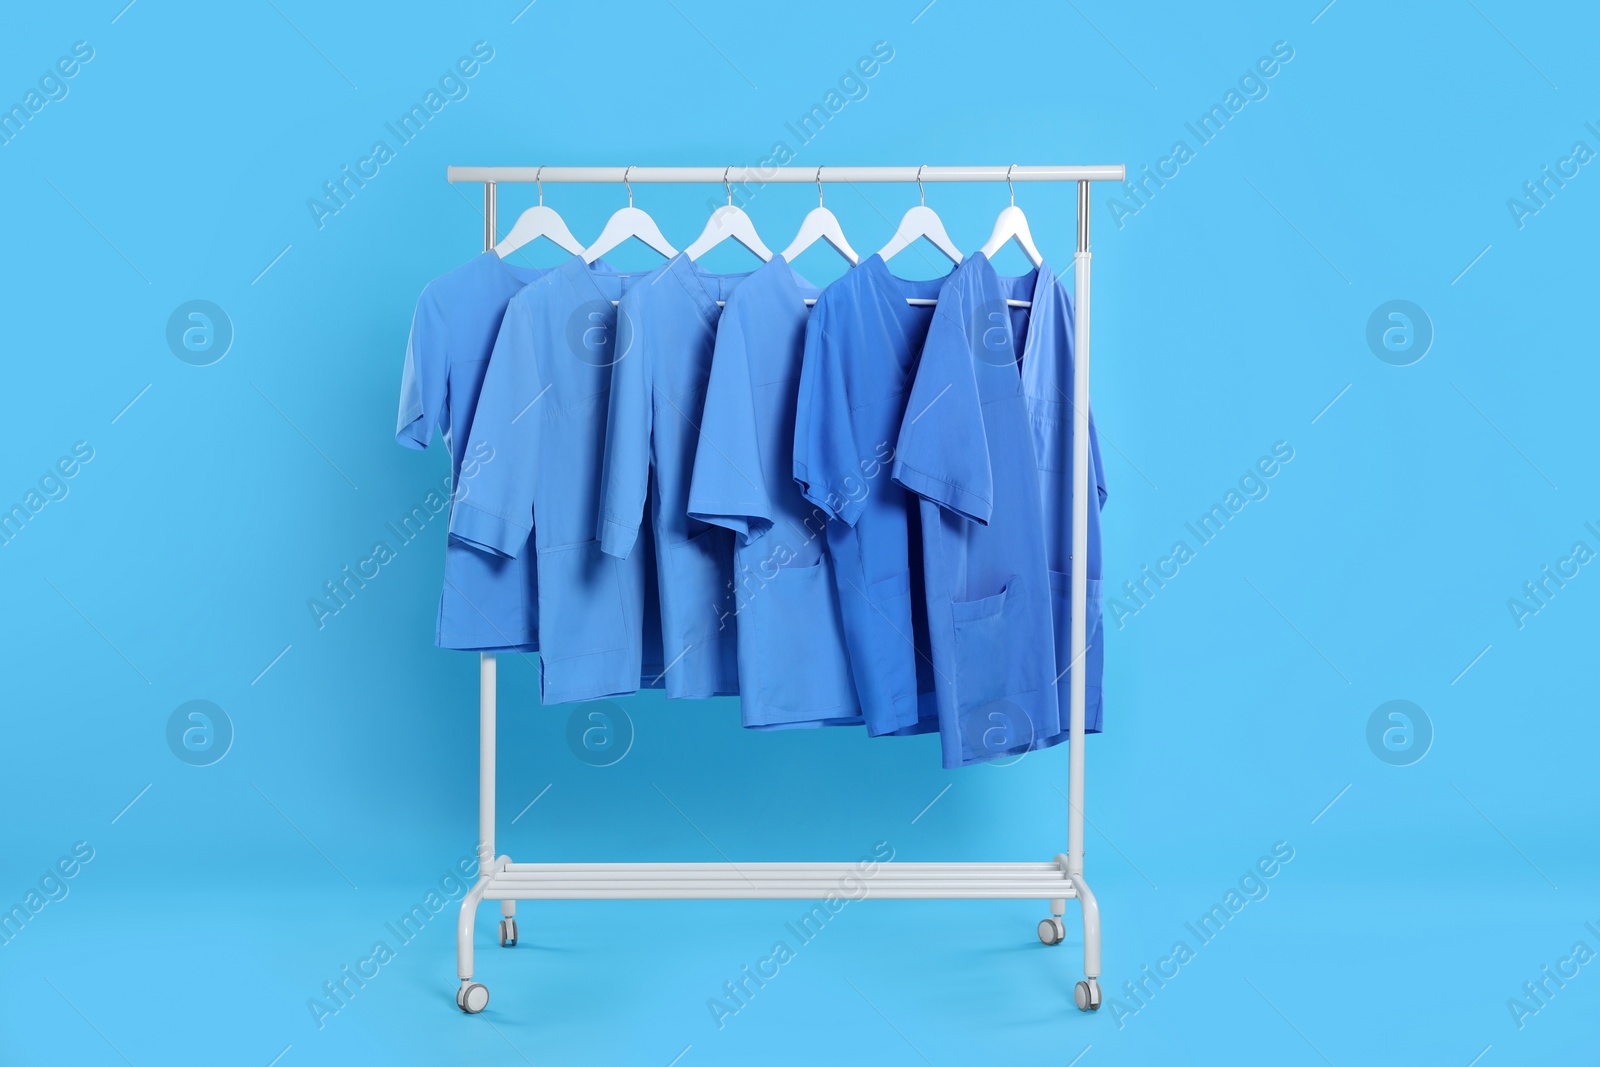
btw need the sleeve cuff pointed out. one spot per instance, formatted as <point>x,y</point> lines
<point>846,509</point>
<point>486,530</point>
<point>616,538</point>
<point>746,519</point>
<point>413,432</point>
<point>951,497</point>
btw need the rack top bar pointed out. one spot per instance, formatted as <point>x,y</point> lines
<point>743,175</point>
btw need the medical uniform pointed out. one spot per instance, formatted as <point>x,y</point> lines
<point>1048,382</point>
<point>793,667</point>
<point>543,417</point>
<point>668,325</point>
<point>965,447</point>
<point>861,346</point>
<point>489,602</point>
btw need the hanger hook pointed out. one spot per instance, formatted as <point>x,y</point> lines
<point>921,192</point>
<point>625,172</point>
<point>819,187</point>
<point>539,184</point>
<point>725,186</point>
<point>1013,188</point>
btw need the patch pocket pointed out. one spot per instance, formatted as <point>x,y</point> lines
<point>890,588</point>
<point>580,601</point>
<point>989,644</point>
<point>796,624</point>
<point>972,610</point>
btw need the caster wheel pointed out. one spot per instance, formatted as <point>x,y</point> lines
<point>508,933</point>
<point>1087,995</point>
<point>473,997</point>
<point>1051,931</point>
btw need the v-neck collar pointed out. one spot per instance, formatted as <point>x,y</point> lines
<point>895,290</point>
<point>693,279</point>
<point>1037,286</point>
<point>796,289</point>
<point>586,277</point>
<point>893,284</point>
<point>518,273</point>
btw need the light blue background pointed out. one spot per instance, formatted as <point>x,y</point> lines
<point>1228,314</point>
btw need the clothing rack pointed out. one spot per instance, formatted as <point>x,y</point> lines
<point>1057,881</point>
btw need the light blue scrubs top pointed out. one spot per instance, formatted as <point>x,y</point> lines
<point>489,602</point>
<point>1047,380</point>
<point>861,346</point>
<point>966,448</point>
<point>668,326</point>
<point>543,413</point>
<point>793,668</point>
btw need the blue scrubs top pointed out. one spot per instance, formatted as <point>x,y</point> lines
<point>861,347</point>
<point>1047,380</point>
<point>543,416</point>
<point>966,448</point>
<point>668,325</point>
<point>793,668</point>
<point>489,602</point>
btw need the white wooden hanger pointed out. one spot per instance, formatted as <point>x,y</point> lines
<point>729,222</point>
<point>921,221</point>
<point>536,222</point>
<point>1012,225</point>
<point>820,224</point>
<point>629,222</point>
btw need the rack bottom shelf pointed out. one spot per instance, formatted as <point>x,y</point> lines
<point>779,881</point>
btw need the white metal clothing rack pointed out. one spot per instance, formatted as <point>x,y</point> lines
<point>1056,881</point>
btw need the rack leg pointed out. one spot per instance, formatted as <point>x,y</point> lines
<point>1091,927</point>
<point>464,928</point>
<point>472,997</point>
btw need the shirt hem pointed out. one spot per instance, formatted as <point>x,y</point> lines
<point>786,720</point>
<point>496,643</point>
<point>1035,746</point>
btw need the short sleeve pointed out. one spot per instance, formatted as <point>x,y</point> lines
<point>943,451</point>
<point>625,470</point>
<point>825,460</point>
<point>493,510</point>
<point>423,380</point>
<point>727,487</point>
